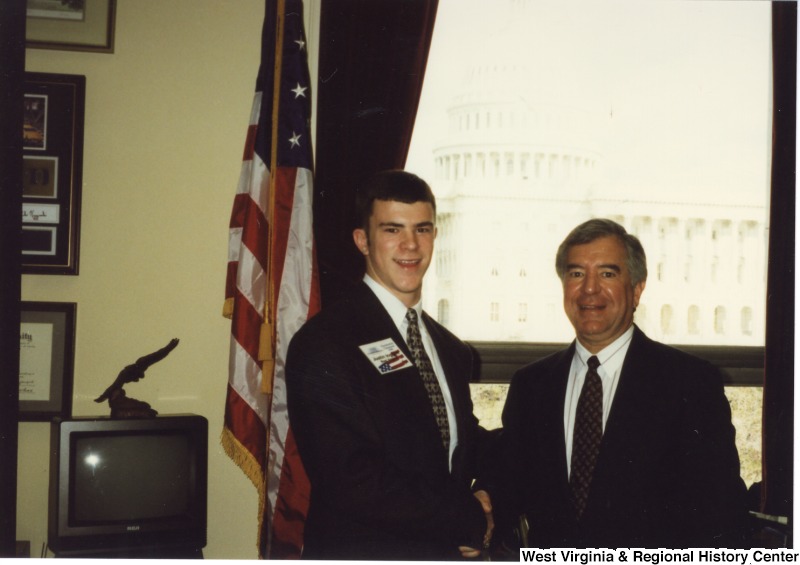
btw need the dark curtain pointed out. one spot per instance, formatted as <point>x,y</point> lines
<point>372,61</point>
<point>12,69</point>
<point>778,436</point>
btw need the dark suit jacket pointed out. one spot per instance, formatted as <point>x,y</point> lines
<point>380,483</point>
<point>667,474</point>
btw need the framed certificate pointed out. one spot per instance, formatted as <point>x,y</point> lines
<point>52,151</point>
<point>46,360</point>
<point>76,25</point>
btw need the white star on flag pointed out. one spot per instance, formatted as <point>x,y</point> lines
<point>299,91</point>
<point>295,139</point>
<point>300,43</point>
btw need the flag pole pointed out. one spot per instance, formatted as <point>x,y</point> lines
<point>267,341</point>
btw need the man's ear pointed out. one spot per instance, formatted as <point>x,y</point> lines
<point>637,293</point>
<point>361,241</point>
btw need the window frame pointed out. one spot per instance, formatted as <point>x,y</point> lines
<point>499,360</point>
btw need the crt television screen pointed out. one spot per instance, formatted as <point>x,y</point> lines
<point>130,477</point>
<point>128,487</point>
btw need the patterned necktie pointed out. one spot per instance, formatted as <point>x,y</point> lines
<point>425,368</point>
<point>586,436</point>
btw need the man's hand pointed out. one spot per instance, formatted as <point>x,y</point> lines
<point>468,552</point>
<point>486,504</point>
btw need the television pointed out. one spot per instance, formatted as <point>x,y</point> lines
<point>134,488</point>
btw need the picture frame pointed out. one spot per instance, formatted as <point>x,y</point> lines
<point>81,25</point>
<point>52,172</point>
<point>47,358</point>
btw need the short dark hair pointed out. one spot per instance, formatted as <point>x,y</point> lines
<point>594,229</point>
<point>394,184</point>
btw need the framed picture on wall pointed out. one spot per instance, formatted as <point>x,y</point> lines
<point>46,360</point>
<point>52,150</point>
<point>73,25</point>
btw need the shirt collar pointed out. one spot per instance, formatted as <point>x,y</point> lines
<point>608,355</point>
<point>393,306</point>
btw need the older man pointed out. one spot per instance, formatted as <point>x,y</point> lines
<point>618,440</point>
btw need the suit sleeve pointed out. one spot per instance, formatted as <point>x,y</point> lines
<point>344,454</point>
<point>502,469</point>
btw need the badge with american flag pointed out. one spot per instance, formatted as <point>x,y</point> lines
<point>386,355</point>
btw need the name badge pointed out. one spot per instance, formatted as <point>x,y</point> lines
<point>386,355</point>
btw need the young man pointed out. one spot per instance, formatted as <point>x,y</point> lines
<point>619,441</point>
<point>378,397</point>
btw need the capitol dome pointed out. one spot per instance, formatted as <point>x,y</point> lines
<point>504,123</point>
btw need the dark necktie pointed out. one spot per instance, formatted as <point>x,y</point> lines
<point>586,436</point>
<point>425,368</point>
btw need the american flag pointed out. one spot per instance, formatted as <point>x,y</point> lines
<point>272,284</point>
<point>395,361</point>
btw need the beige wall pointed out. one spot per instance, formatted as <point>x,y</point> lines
<point>166,116</point>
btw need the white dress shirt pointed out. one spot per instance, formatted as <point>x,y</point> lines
<point>611,359</point>
<point>397,311</point>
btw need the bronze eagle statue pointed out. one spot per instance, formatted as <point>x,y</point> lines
<point>121,405</point>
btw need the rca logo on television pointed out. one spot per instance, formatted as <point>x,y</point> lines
<point>133,528</point>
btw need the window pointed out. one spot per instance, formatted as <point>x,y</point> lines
<point>670,138</point>
<point>523,165</point>
<point>666,319</point>
<point>682,163</point>
<point>747,321</point>
<point>715,270</point>
<point>694,319</point>
<point>740,270</point>
<point>443,313</point>
<point>720,319</point>
<point>661,268</point>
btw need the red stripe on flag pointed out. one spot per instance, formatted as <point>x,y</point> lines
<point>238,214</point>
<point>284,198</point>
<point>246,325</point>
<point>255,233</point>
<point>315,300</point>
<point>250,143</point>
<point>245,424</point>
<point>230,279</point>
<point>291,506</point>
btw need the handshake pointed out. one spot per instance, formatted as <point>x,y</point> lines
<point>486,503</point>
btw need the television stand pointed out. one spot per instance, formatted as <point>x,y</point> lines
<point>144,553</point>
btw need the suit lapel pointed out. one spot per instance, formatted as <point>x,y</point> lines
<point>632,389</point>
<point>628,388</point>
<point>456,372</point>
<point>553,414</point>
<point>558,414</point>
<point>371,320</point>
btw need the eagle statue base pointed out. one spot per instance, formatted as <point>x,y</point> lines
<point>124,407</point>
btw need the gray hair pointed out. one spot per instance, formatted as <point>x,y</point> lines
<point>597,228</point>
